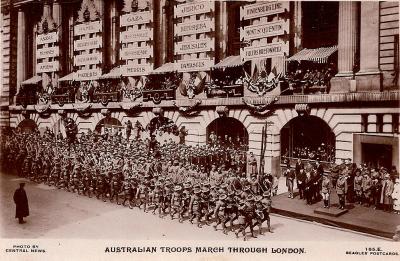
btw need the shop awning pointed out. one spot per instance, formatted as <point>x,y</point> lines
<point>34,80</point>
<point>66,78</point>
<point>319,55</point>
<point>230,61</point>
<point>165,68</point>
<point>115,73</point>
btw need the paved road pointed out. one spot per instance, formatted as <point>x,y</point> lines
<point>59,214</point>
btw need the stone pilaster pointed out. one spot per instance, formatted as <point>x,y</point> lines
<point>221,30</point>
<point>159,32</point>
<point>369,77</point>
<point>347,45</point>
<point>112,51</point>
<point>21,49</point>
<point>57,19</point>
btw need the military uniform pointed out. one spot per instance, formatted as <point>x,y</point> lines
<point>221,213</point>
<point>195,206</point>
<point>176,201</point>
<point>358,188</point>
<point>263,208</point>
<point>341,190</point>
<point>246,215</point>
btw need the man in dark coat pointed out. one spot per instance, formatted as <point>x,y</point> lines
<point>21,202</point>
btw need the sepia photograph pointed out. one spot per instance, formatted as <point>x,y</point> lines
<point>199,129</point>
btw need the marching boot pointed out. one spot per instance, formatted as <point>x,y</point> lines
<point>260,229</point>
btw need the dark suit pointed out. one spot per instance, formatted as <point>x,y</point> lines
<point>21,202</point>
<point>301,179</point>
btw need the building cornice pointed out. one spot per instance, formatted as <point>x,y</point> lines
<point>327,100</point>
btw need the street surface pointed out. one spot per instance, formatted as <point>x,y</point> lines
<point>59,214</point>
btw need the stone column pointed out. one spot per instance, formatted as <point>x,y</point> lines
<point>221,30</point>
<point>347,45</point>
<point>163,31</point>
<point>21,48</point>
<point>369,76</point>
<point>297,25</point>
<point>112,52</point>
<point>57,20</point>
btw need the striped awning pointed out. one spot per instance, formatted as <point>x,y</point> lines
<point>33,80</point>
<point>165,68</point>
<point>66,78</point>
<point>230,61</point>
<point>114,73</point>
<point>319,55</point>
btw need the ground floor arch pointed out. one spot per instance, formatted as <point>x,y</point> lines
<point>113,125</point>
<point>227,131</point>
<point>163,128</point>
<point>307,137</point>
<point>28,126</point>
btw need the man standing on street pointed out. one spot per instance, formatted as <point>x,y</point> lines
<point>21,202</point>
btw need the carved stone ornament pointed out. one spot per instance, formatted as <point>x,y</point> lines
<point>222,111</point>
<point>88,12</point>
<point>131,108</point>
<point>46,23</point>
<point>302,109</point>
<point>136,5</point>
<point>43,110</point>
<point>62,113</point>
<point>26,114</point>
<point>265,109</point>
<point>106,113</point>
<point>189,110</point>
<point>83,110</point>
<point>158,111</point>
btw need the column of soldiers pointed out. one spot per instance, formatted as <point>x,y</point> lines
<point>172,180</point>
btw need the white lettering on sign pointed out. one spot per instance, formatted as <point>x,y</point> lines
<point>263,9</point>
<point>201,26</point>
<point>47,67</point>
<point>265,51</point>
<point>136,18</point>
<point>198,46</point>
<point>264,30</point>
<point>87,59</point>
<point>136,69</point>
<point>193,8</point>
<point>87,74</point>
<point>87,28</point>
<point>194,65</point>
<point>136,52</point>
<point>87,44</point>
<point>47,38</point>
<point>136,36</point>
<point>47,52</point>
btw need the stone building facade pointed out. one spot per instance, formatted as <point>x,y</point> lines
<point>361,110</point>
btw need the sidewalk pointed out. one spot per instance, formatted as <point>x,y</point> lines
<point>358,218</point>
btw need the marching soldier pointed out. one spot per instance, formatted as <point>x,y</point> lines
<point>115,188</point>
<point>100,193</point>
<point>176,201</point>
<point>157,198</point>
<point>220,213</point>
<point>167,197</point>
<point>127,191</point>
<point>247,212</point>
<point>185,201</point>
<point>195,207</point>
